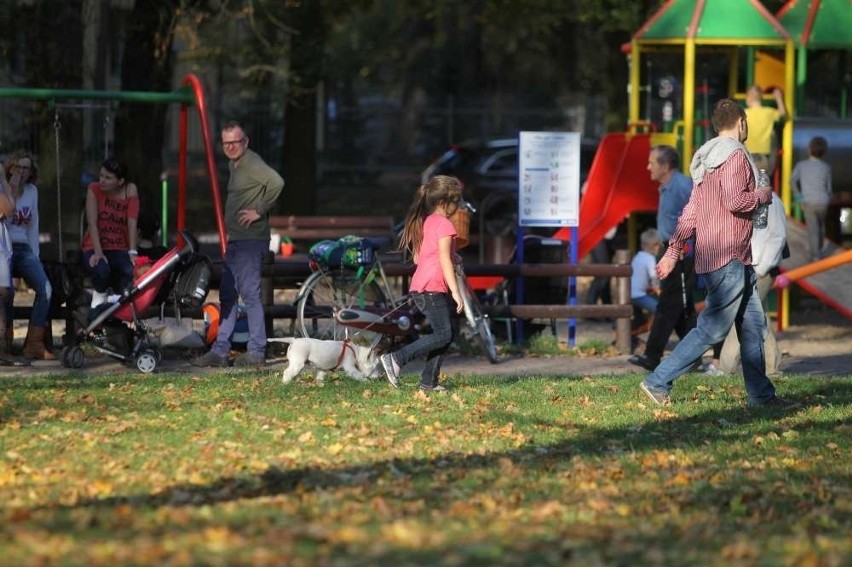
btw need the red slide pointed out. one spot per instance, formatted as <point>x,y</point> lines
<point>618,184</point>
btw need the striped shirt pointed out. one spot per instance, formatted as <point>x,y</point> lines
<point>718,214</point>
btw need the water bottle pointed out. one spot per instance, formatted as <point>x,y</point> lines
<point>760,217</point>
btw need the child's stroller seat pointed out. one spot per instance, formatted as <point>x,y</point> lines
<point>116,329</point>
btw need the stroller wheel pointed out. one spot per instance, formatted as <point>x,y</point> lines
<point>72,357</point>
<point>147,360</point>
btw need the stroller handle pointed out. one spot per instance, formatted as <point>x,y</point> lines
<point>192,245</point>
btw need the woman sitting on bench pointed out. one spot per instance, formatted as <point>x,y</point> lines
<point>21,175</point>
<point>109,245</point>
<point>7,208</point>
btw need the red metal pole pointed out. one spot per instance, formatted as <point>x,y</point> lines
<point>201,104</point>
<point>181,209</point>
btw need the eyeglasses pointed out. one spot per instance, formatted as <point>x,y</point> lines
<point>232,143</point>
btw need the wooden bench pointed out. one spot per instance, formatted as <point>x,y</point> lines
<point>309,229</point>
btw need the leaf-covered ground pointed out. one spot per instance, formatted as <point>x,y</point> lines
<point>236,469</point>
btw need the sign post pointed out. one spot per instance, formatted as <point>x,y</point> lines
<point>549,196</point>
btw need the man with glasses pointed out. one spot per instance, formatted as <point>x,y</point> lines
<point>253,188</point>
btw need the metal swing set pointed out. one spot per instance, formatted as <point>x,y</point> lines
<point>189,94</point>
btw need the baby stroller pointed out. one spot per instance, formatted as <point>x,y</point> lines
<point>116,329</point>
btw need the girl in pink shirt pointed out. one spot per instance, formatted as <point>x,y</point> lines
<point>430,238</point>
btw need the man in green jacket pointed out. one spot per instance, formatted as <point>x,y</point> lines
<point>253,188</point>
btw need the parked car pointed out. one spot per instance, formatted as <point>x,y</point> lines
<point>489,171</point>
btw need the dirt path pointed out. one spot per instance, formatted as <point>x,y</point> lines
<point>818,343</point>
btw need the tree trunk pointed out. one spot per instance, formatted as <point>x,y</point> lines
<point>52,60</point>
<point>148,65</point>
<point>306,65</point>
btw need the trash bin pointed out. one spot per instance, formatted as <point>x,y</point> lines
<point>542,290</point>
<point>545,290</point>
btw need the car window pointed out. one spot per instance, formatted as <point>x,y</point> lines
<point>503,162</point>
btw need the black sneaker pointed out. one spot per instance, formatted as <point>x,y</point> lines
<point>210,359</point>
<point>391,369</point>
<point>437,388</point>
<point>658,398</point>
<point>648,364</point>
<point>780,403</point>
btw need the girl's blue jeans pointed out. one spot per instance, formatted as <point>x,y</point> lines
<point>438,310</point>
<point>26,265</point>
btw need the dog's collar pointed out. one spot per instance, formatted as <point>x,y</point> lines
<point>346,345</point>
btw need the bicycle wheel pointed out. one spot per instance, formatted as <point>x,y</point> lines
<point>479,323</point>
<point>325,293</point>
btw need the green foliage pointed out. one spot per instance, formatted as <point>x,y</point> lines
<point>235,468</point>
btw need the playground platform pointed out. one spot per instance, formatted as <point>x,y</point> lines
<point>832,287</point>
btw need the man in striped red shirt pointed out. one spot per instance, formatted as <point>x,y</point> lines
<point>719,216</point>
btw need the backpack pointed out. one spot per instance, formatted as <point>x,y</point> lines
<point>193,281</point>
<point>768,245</point>
<point>349,252</point>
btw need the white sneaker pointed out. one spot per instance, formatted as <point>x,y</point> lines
<point>98,297</point>
<point>711,370</point>
<point>391,369</point>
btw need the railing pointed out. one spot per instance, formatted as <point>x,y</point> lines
<point>284,274</point>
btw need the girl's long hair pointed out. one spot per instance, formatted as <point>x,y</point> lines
<point>441,189</point>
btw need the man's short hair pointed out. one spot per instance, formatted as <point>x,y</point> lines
<point>231,124</point>
<point>667,155</point>
<point>726,113</point>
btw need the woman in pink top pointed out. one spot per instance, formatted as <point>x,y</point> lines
<point>109,245</point>
<point>429,236</point>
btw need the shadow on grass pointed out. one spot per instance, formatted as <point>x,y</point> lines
<point>455,479</point>
<point>668,433</point>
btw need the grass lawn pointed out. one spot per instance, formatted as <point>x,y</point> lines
<point>236,469</point>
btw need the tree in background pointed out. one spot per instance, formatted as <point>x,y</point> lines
<point>147,65</point>
<point>277,65</point>
<point>42,46</point>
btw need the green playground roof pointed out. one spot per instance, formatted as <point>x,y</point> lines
<point>711,21</point>
<point>822,24</point>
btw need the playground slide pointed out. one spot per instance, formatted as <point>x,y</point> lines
<point>829,280</point>
<point>618,184</point>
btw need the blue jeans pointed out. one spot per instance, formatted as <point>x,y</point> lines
<point>241,278</point>
<point>117,270</point>
<point>436,307</point>
<point>26,265</point>
<point>647,303</point>
<point>732,300</point>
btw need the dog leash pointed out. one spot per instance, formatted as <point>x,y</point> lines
<point>346,345</point>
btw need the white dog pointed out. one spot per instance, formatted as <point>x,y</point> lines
<point>358,362</point>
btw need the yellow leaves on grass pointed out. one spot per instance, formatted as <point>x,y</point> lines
<point>413,534</point>
<point>740,549</point>
<point>220,538</point>
<point>665,460</point>
<point>335,449</point>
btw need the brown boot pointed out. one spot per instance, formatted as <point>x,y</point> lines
<point>34,344</point>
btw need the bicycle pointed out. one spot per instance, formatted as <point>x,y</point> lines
<point>341,297</point>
